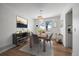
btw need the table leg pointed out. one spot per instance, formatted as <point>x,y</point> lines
<point>30,42</point>
<point>44,46</point>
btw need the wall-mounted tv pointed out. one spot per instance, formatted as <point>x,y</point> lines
<point>21,22</point>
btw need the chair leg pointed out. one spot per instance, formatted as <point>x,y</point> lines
<point>50,43</point>
<point>40,44</point>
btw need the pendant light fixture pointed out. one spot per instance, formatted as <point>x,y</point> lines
<point>40,17</point>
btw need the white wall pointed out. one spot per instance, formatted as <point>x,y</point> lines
<point>36,22</point>
<point>76,30</point>
<point>31,25</point>
<point>7,26</point>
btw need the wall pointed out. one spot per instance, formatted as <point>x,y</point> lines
<point>31,25</point>
<point>76,30</point>
<point>7,26</point>
<point>36,22</point>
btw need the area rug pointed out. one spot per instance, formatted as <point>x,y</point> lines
<point>37,49</point>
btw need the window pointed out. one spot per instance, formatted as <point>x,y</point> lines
<point>47,25</point>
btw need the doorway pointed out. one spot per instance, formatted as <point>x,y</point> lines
<point>69,29</point>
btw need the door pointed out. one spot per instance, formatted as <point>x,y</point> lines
<point>69,29</point>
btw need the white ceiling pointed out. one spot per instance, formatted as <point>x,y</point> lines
<point>32,10</point>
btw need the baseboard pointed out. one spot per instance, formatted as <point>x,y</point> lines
<point>5,48</point>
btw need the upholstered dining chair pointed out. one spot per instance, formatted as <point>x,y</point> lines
<point>35,39</point>
<point>49,39</point>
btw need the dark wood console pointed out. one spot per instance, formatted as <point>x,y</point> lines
<point>19,38</point>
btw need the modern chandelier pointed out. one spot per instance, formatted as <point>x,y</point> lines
<point>40,17</point>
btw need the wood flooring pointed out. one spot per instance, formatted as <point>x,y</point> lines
<point>59,50</point>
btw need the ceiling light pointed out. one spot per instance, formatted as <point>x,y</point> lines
<point>40,17</point>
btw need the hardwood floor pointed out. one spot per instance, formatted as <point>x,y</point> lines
<point>59,50</point>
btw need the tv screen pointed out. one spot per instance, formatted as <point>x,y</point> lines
<point>21,22</point>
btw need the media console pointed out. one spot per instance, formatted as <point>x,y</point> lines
<point>19,38</point>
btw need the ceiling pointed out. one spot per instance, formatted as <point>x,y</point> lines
<point>32,10</point>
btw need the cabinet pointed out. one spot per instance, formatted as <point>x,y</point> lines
<point>19,38</point>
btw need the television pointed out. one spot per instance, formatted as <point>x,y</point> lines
<point>21,22</point>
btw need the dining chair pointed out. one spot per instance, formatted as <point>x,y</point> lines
<point>49,39</point>
<point>35,39</point>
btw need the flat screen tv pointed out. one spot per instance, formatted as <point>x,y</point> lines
<point>21,22</point>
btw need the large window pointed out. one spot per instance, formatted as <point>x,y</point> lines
<point>47,25</point>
